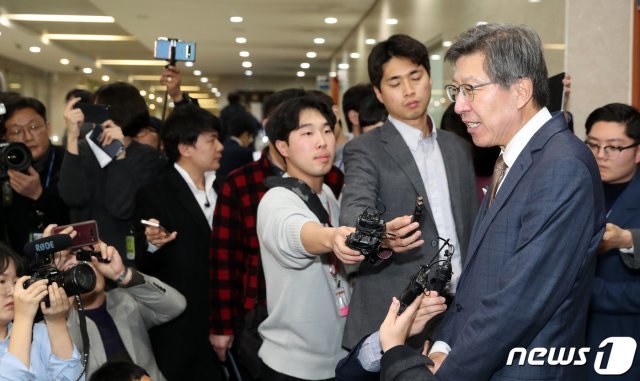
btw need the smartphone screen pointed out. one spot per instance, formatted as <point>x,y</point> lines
<point>97,114</point>
<point>87,233</point>
<point>184,51</point>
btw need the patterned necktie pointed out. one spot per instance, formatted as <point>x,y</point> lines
<point>498,174</point>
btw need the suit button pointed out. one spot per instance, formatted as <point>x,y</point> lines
<point>458,307</point>
<point>434,243</point>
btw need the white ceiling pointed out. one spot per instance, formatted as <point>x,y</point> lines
<point>279,33</point>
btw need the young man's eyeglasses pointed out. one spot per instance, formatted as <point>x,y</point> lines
<point>611,152</point>
<point>18,131</point>
<point>465,90</point>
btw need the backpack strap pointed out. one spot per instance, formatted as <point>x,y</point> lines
<point>303,191</point>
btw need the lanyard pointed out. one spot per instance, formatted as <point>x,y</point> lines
<point>50,171</point>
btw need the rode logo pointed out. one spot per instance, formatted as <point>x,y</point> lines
<point>621,351</point>
<point>45,246</point>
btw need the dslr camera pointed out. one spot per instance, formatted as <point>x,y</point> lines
<point>13,155</point>
<point>432,277</point>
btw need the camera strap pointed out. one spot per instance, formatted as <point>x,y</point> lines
<point>302,190</point>
<point>85,335</point>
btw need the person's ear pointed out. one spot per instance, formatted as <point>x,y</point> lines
<point>282,147</point>
<point>378,94</point>
<point>637,155</point>
<point>524,91</point>
<point>185,150</point>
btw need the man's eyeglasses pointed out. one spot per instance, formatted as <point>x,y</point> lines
<point>18,131</point>
<point>611,152</point>
<point>6,285</point>
<point>465,90</point>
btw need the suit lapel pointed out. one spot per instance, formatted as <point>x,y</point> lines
<point>396,148</point>
<point>515,174</point>
<point>185,198</point>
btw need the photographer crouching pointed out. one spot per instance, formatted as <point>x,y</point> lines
<point>118,319</point>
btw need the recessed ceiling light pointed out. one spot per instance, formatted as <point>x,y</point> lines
<point>435,57</point>
<point>152,96</point>
<point>447,44</point>
<point>354,55</point>
<point>204,79</point>
<point>143,93</point>
<point>87,70</point>
<point>55,138</point>
<point>217,94</point>
<point>236,19</point>
<point>64,61</point>
<point>152,106</point>
<point>105,78</point>
<point>318,40</point>
<point>214,89</point>
<point>305,65</point>
<point>197,73</point>
<point>86,37</point>
<point>370,41</point>
<point>241,40</point>
<point>248,73</point>
<point>330,20</point>
<point>333,74</point>
<point>247,64</point>
<point>35,49</point>
<point>244,53</point>
<point>159,100</point>
<point>59,18</point>
<point>534,1</point>
<point>312,54</point>
<point>481,23</point>
<point>300,74</point>
<point>343,66</point>
<point>188,64</point>
<point>391,21</point>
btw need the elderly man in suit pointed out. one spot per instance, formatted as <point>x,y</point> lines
<point>405,158</point>
<point>531,259</point>
<point>613,134</point>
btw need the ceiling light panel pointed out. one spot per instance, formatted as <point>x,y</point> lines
<point>59,18</point>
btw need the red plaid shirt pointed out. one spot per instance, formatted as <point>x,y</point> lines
<point>234,270</point>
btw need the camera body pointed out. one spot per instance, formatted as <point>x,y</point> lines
<point>14,155</point>
<point>370,231</point>
<point>78,279</point>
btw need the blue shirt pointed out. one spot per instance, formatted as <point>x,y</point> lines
<point>45,366</point>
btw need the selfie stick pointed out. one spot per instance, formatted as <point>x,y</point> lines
<point>172,62</point>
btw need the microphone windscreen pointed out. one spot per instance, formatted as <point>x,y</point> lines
<point>47,245</point>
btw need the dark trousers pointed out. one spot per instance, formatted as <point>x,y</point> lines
<point>267,373</point>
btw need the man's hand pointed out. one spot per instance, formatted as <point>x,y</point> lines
<point>73,118</point>
<point>437,358</point>
<point>220,345</point>
<point>172,78</point>
<point>344,253</point>
<point>395,329</point>
<point>114,268</point>
<point>615,238</point>
<point>398,228</point>
<point>430,306</point>
<point>27,185</point>
<point>157,236</point>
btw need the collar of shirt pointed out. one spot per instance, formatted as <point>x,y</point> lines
<point>209,178</point>
<point>412,135</point>
<point>522,137</point>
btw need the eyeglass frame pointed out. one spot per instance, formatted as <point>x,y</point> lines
<point>607,149</point>
<point>466,87</point>
<point>34,129</point>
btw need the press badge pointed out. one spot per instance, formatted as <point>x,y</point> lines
<point>341,302</point>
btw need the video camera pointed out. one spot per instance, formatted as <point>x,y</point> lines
<point>432,277</point>
<point>78,279</point>
<point>13,155</point>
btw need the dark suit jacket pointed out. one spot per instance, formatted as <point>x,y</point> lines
<point>181,346</point>
<point>615,298</point>
<point>379,164</point>
<point>527,278</point>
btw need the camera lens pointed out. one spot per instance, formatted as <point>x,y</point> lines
<point>79,279</point>
<point>16,156</point>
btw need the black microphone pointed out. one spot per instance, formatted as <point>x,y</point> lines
<point>47,245</point>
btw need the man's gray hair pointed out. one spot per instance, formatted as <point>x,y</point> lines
<point>511,52</point>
